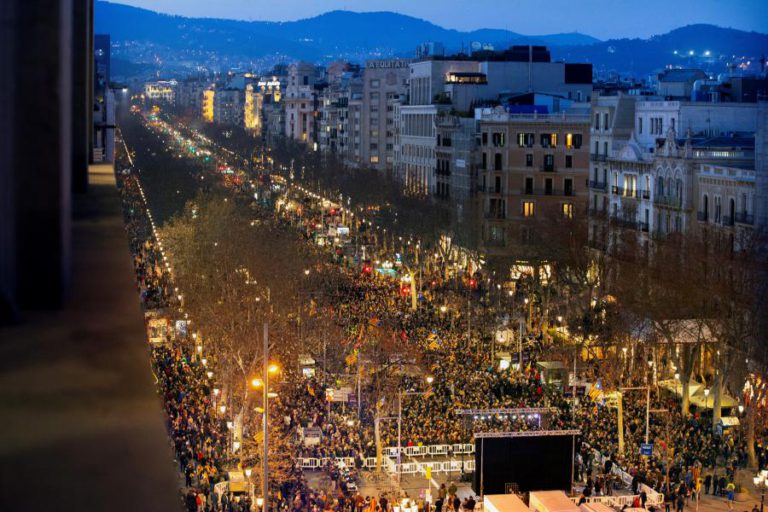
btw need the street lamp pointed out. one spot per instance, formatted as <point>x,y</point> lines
<point>430,379</point>
<point>706,397</point>
<point>761,481</point>
<point>259,502</point>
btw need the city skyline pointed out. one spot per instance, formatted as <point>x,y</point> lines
<point>627,19</point>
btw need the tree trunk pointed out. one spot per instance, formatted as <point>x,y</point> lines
<point>751,454</point>
<point>717,399</point>
<point>684,398</point>
<point>377,437</point>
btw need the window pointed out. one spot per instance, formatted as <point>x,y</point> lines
<point>597,122</point>
<point>497,187</point>
<point>375,83</point>
<point>484,165</point>
<point>568,187</point>
<point>529,185</point>
<point>529,208</point>
<point>630,185</point>
<point>546,140</point>
<point>568,210</point>
<point>549,163</point>
<point>374,97</point>
<point>548,186</point>
<point>605,121</point>
<point>498,139</point>
<point>605,148</point>
<point>568,161</point>
<point>529,160</point>
<point>577,140</point>
<point>640,125</point>
<point>497,162</point>
<point>525,140</point>
<point>485,138</point>
<point>374,159</point>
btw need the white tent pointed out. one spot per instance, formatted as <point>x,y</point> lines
<point>699,399</point>
<point>504,503</point>
<point>551,501</point>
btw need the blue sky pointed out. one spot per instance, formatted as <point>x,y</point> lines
<point>600,18</point>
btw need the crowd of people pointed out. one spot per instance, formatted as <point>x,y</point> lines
<point>463,373</point>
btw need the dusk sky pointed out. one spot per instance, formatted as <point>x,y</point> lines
<point>600,18</point>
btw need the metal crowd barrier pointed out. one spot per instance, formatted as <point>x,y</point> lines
<point>390,453</point>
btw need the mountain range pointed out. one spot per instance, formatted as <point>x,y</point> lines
<point>359,36</point>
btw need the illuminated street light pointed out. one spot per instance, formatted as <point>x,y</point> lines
<point>257,383</point>
<point>430,379</point>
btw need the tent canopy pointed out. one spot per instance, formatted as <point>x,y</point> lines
<point>504,503</point>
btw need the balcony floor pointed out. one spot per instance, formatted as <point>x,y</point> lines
<point>82,427</point>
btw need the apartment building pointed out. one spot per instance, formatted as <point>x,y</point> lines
<point>229,106</point>
<point>416,162</point>
<point>532,166</point>
<point>385,82</point>
<point>456,169</point>
<point>301,102</point>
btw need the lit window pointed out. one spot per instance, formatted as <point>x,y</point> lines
<point>569,140</point>
<point>568,210</point>
<point>529,208</point>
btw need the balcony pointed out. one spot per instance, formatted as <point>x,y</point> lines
<point>702,216</point>
<point>542,192</point>
<point>744,218</point>
<point>624,192</point>
<point>727,220</point>
<point>668,201</point>
<point>548,168</point>
<point>624,223</point>
<point>595,157</point>
<point>598,185</point>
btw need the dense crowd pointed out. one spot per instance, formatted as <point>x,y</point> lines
<point>464,375</point>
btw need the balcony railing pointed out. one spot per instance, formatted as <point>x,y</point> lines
<point>598,185</point>
<point>744,218</point>
<point>727,220</point>
<point>702,217</point>
<point>624,192</point>
<point>548,168</point>
<point>670,201</point>
<point>542,192</point>
<point>625,223</point>
<point>597,157</point>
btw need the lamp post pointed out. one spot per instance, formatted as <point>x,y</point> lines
<point>761,481</point>
<point>263,383</point>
